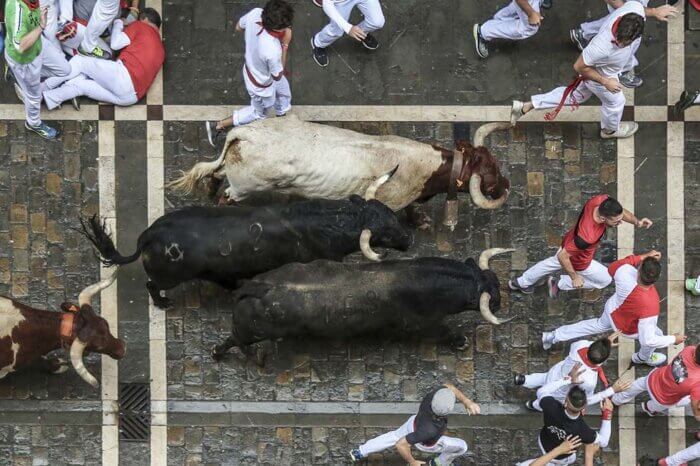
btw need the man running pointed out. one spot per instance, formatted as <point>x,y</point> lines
<point>583,367</point>
<point>425,430</point>
<point>598,68</point>
<point>632,311</point>
<point>517,21</point>
<point>268,32</point>
<point>674,385</point>
<point>578,248</point>
<point>339,13</point>
<point>683,457</point>
<point>564,420</point>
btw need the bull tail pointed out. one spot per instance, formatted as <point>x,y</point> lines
<point>96,232</point>
<point>190,181</point>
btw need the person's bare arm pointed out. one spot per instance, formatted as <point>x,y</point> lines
<point>590,450</point>
<point>469,405</point>
<point>591,74</point>
<point>26,42</point>
<point>286,40</point>
<point>629,217</point>
<point>533,17</point>
<point>615,3</point>
<point>661,13</point>
<point>566,447</point>
<point>565,261</point>
<point>404,449</point>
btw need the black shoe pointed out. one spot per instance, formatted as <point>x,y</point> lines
<point>319,54</point>
<point>546,4</point>
<point>212,132</point>
<point>531,407</point>
<point>370,42</point>
<point>76,105</point>
<point>576,36</point>
<point>686,101</point>
<point>518,379</point>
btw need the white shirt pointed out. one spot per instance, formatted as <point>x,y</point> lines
<point>335,16</point>
<point>263,52</point>
<point>601,53</point>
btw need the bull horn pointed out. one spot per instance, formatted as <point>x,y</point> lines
<point>77,348</point>
<point>85,296</point>
<point>484,307</point>
<point>366,248</point>
<point>371,192</point>
<point>478,197</point>
<point>488,128</point>
<point>486,256</point>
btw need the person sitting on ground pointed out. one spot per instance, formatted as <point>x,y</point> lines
<point>122,82</point>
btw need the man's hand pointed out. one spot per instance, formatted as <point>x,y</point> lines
<point>664,12</point>
<point>613,85</point>
<point>606,404</point>
<point>653,253</point>
<point>613,338</point>
<point>577,281</point>
<point>621,385</point>
<point>357,33</point>
<point>576,373</point>
<point>416,463</point>
<point>534,18</point>
<point>569,445</point>
<point>42,19</point>
<point>471,407</point>
<point>645,222</point>
<point>679,338</point>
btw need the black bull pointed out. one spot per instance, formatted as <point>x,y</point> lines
<point>342,300</point>
<point>225,244</point>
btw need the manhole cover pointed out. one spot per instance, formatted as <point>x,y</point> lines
<point>134,412</point>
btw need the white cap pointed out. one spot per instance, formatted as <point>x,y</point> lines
<point>443,402</point>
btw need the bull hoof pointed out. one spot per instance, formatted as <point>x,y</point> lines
<point>215,355</point>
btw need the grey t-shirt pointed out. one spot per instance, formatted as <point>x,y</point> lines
<point>82,9</point>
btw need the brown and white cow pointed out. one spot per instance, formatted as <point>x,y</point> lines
<point>28,334</point>
<point>311,160</point>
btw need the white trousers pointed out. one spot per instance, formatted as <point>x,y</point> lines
<point>684,456</point>
<point>50,62</point>
<point>595,276</point>
<point>373,20</point>
<point>101,80</point>
<point>449,448</point>
<point>603,324</point>
<point>105,12</point>
<point>510,23</point>
<point>277,96</point>
<point>52,15</point>
<point>613,103</point>
<point>640,385</point>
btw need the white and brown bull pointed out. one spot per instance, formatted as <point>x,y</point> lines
<point>27,335</point>
<point>312,160</point>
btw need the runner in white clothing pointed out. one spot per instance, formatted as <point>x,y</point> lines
<point>103,15</point>
<point>582,367</point>
<point>517,21</point>
<point>683,457</point>
<point>268,32</point>
<point>583,34</point>
<point>339,12</point>
<point>610,53</point>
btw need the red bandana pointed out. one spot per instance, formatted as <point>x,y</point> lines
<point>278,34</point>
<point>31,4</point>
<point>583,354</point>
<point>615,25</point>
<point>568,92</point>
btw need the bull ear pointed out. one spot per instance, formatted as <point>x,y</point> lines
<point>355,199</point>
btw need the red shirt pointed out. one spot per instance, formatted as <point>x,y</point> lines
<point>144,56</point>
<point>588,230</point>
<point>631,301</point>
<point>669,384</point>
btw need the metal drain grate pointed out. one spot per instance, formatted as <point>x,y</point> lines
<point>134,412</point>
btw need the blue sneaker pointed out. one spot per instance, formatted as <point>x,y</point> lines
<point>44,130</point>
<point>355,455</point>
<point>2,37</point>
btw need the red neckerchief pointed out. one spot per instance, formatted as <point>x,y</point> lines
<point>68,325</point>
<point>583,354</point>
<point>31,4</point>
<point>569,91</point>
<point>278,34</point>
<point>614,31</point>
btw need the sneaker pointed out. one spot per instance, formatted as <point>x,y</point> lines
<point>626,129</point>
<point>529,405</point>
<point>44,130</point>
<point>576,36</point>
<point>686,101</point>
<point>513,285</point>
<point>434,462</point>
<point>547,340</point>
<point>75,103</point>
<point>319,54</point>
<point>370,42</point>
<point>355,455</point>
<point>546,4</point>
<point>655,360</point>
<point>516,111</point>
<point>7,73</point>
<point>482,49</point>
<point>318,3</point>
<point>212,132</point>
<point>552,288</point>
<point>646,409</point>
<point>97,52</point>
<point>630,80</point>
<point>518,379</point>
<point>691,285</point>
<point>19,93</point>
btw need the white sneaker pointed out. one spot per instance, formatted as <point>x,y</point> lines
<point>547,340</point>
<point>516,111</point>
<point>655,360</point>
<point>626,129</point>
